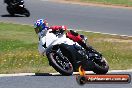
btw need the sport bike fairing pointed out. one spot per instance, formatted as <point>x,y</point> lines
<point>50,39</point>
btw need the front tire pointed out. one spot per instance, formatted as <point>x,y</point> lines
<point>10,11</point>
<point>55,60</point>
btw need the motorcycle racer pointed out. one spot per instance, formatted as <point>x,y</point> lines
<point>41,27</point>
<point>12,1</point>
<point>9,1</point>
<point>66,50</point>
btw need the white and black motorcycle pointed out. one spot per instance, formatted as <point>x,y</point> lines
<point>66,56</point>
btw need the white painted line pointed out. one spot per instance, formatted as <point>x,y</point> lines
<point>57,73</point>
<point>18,74</point>
<point>111,71</point>
<point>45,0</point>
<point>74,73</point>
<point>91,72</point>
<point>103,33</point>
<point>87,72</point>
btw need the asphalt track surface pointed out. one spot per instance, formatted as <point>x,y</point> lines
<point>43,81</point>
<point>88,18</point>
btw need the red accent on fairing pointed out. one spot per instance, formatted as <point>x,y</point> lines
<point>74,38</point>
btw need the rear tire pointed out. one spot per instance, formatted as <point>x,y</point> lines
<point>102,67</point>
<point>26,12</point>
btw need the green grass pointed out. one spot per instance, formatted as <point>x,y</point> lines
<point>108,2</point>
<point>18,49</point>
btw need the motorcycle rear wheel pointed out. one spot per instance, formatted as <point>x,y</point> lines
<point>101,67</point>
<point>26,12</point>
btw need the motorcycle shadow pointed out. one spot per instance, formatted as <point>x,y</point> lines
<point>46,74</point>
<point>8,15</point>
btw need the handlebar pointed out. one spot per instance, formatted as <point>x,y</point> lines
<point>57,32</point>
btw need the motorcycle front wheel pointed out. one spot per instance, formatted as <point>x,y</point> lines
<point>10,10</point>
<point>60,62</point>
